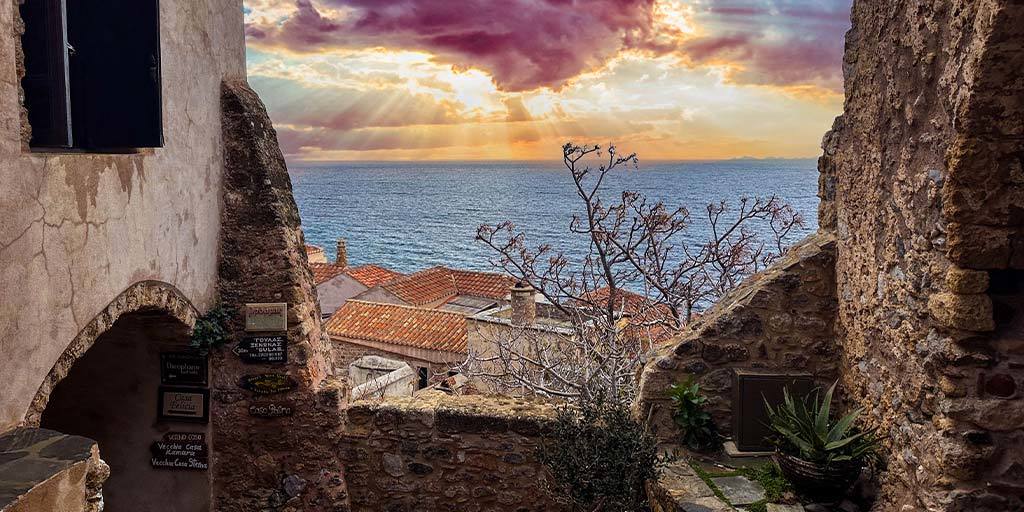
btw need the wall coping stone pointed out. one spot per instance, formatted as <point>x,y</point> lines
<point>31,456</point>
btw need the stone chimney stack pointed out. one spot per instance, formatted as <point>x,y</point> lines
<point>342,259</point>
<point>524,304</point>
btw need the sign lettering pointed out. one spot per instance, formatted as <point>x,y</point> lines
<point>181,450</point>
<point>183,368</point>
<point>183,404</point>
<point>267,383</point>
<point>263,349</point>
<point>271,410</point>
<point>266,317</point>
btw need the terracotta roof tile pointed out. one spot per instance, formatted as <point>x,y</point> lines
<point>312,249</point>
<point>430,329</point>
<point>423,287</point>
<point>323,272</point>
<point>372,275</point>
<point>438,283</point>
<point>482,284</point>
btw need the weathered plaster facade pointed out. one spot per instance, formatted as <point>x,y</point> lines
<point>77,230</point>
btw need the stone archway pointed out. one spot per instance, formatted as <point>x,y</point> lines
<point>141,296</point>
<point>106,386</point>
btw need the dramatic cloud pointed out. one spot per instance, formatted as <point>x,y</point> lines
<point>469,79</point>
<point>773,42</point>
<point>522,44</point>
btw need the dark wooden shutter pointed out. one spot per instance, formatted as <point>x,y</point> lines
<point>45,44</point>
<point>116,73</point>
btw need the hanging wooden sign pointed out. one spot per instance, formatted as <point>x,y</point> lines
<point>271,410</point>
<point>183,404</point>
<point>266,317</point>
<point>181,450</point>
<point>263,349</point>
<point>183,369</point>
<point>267,383</point>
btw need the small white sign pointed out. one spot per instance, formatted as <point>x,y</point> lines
<point>266,317</point>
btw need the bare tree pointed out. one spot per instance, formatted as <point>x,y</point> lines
<point>637,283</point>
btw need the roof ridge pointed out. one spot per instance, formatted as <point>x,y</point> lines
<point>403,306</point>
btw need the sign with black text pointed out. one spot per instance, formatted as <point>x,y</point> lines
<point>263,349</point>
<point>267,383</point>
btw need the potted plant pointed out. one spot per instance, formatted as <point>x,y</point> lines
<point>699,431</point>
<point>819,455</point>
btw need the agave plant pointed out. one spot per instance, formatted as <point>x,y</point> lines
<point>805,429</point>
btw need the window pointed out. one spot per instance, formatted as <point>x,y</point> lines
<point>92,73</point>
<point>424,377</point>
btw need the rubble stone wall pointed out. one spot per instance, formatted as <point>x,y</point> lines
<point>778,320</point>
<point>436,452</point>
<point>922,183</point>
<point>282,463</point>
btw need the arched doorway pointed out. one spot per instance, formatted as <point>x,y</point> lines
<point>110,394</point>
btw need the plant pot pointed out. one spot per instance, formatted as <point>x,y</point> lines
<point>828,483</point>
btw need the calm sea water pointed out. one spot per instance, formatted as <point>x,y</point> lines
<point>409,216</point>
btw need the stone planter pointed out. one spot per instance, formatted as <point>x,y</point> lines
<point>818,481</point>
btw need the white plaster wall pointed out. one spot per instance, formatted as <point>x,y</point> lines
<point>77,229</point>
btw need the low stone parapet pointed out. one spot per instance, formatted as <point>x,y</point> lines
<point>440,452</point>
<point>45,470</point>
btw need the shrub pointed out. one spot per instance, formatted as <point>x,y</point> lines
<point>211,329</point>
<point>804,428</point>
<point>699,431</point>
<point>599,456</point>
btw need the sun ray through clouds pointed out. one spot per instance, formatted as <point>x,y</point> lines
<point>434,79</point>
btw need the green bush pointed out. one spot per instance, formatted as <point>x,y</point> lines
<point>699,431</point>
<point>599,457</point>
<point>211,330</point>
<point>804,428</point>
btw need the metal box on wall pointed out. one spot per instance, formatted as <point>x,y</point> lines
<point>749,416</point>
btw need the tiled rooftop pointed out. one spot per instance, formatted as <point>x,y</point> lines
<point>430,329</point>
<point>323,272</point>
<point>372,275</point>
<point>312,249</point>
<point>438,283</point>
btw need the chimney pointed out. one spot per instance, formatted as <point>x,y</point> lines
<point>342,258</point>
<point>524,304</point>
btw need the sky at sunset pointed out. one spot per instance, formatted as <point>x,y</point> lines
<point>514,79</point>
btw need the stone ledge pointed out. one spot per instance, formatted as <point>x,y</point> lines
<point>45,470</point>
<point>455,414</point>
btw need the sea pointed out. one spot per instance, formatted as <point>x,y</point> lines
<point>409,216</point>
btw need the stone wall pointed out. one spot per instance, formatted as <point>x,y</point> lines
<point>282,463</point>
<point>922,184</point>
<point>779,320</point>
<point>436,452</point>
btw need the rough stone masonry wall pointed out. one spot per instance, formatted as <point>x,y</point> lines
<point>260,463</point>
<point>778,320</point>
<point>436,452</point>
<point>922,184</point>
